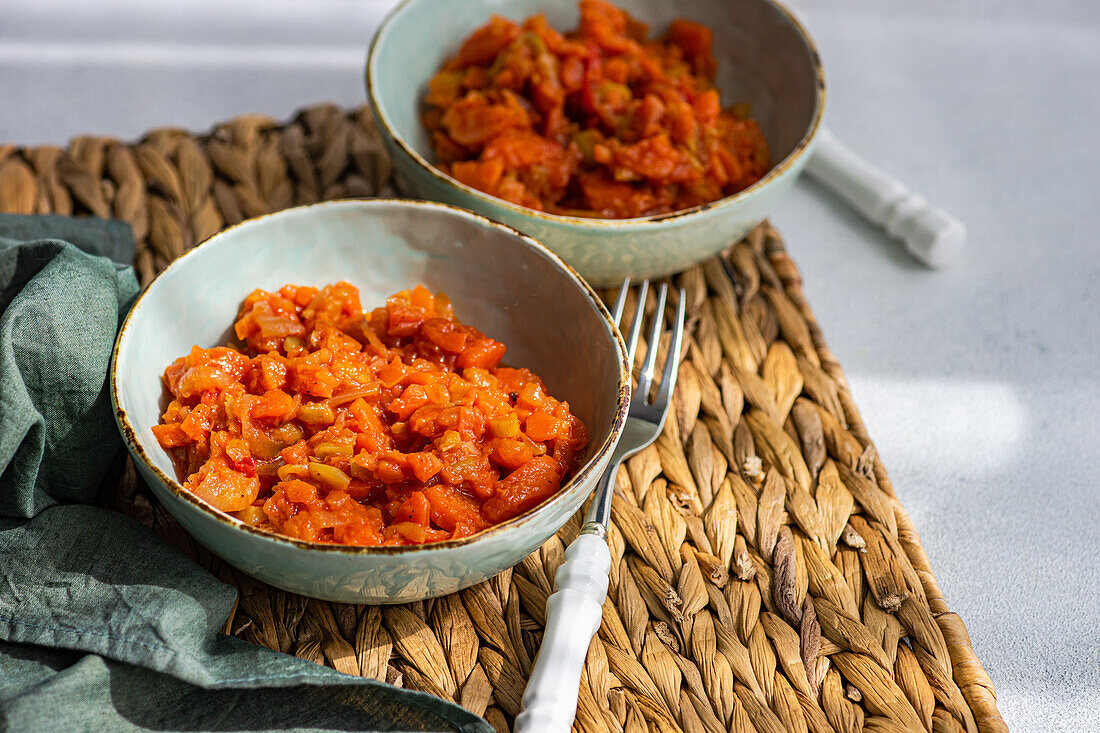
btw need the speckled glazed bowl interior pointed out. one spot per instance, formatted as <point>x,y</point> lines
<point>764,57</point>
<point>503,283</point>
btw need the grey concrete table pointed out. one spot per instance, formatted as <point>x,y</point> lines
<point>980,384</point>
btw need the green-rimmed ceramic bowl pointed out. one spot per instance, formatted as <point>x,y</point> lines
<point>500,281</point>
<point>765,57</point>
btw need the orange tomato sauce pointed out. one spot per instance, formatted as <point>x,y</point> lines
<point>600,122</point>
<point>393,427</point>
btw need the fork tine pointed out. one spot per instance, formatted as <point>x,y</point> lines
<point>620,301</point>
<point>672,361</point>
<point>636,327</point>
<point>645,379</point>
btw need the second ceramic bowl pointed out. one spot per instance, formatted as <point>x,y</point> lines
<point>507,285</point>
<point>764,55</point>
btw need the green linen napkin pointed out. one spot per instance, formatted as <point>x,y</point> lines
<point>103,626</point>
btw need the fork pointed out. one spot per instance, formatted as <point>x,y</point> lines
<point>575,609</point>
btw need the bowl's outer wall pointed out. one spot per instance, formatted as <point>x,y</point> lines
<point>511,291</point>
<point>762,59</point>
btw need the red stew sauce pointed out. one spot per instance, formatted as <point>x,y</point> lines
<point>396,426</point>
<point>599,122</point>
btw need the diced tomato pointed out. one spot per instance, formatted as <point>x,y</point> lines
<point>240,458</point>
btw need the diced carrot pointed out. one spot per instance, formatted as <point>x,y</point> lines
<point>274,405</point>
<point>389,471</point>
<point>473,120</point>
<point>451,508</point>
<point>485,43</point>
<point>696,40</point>
<point>414,509</point>
<point>542,426</point>
<point>484,175</point>
<point>412,533</point>
<point>198,422</point>
<point>299,491</point>
<point>392,374</point>
<point>224,488</point>
<point>510,453</point>
<point>523,489</point>
<point>445,334</point>
<point>424,465</point>
<point>297,453</point>
<point>484,353</point>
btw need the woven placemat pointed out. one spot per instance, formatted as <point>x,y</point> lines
<point>764,576</point>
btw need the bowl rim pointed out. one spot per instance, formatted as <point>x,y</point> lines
<point>129,434</point>
<point>776,172</point>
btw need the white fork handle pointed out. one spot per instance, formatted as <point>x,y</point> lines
<point>930,234</point>
<point>573,614</point>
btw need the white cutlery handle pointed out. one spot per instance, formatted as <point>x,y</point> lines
<point>930,234</point>
<point>573,614</point>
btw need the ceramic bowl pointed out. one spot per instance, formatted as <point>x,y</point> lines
<point>764,57</point>
<point>506,284</point>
